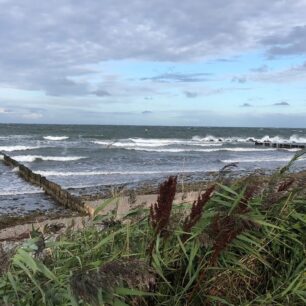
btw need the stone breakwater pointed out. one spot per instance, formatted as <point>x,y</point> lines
<point>60,195</point>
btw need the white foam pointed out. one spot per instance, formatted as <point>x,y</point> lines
<point>181,145</point>
<point>32,158</point>
<point>151,142</point>
<point>275,139</point>
<point>18,148</point>
<point>260,159</point>
<point>55,138</point>
<point>177,150</point>
<point>16,137</point>
<point>93,173</point>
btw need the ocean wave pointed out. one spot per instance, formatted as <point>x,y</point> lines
<point>195,141</point>
<point>8,137</point>
<point>275,139</point>
<point>94,173</point>
<point>18,148</point>
<point>33,158</point>
<point>151,143</point>
<point>254,160</point>
<point>178,150</point>
<point>56,138</point>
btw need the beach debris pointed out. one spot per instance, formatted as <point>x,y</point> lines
<point>101,285</point>
<point>4,260</point>
<point>39,241</point>
<point>53,228</point>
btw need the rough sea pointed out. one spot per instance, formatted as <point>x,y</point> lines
<point>76,156</point>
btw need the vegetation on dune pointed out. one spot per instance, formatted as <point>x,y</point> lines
<point>238,244</point>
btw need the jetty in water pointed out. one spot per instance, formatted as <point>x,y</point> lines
<point>60,195</point>
<point>280,145</point>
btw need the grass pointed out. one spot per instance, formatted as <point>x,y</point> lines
<point>239,244</point>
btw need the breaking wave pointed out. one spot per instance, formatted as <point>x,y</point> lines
<point>151,143</point>
<point>177,150</point>
<point>33,158</point>
<point>18,148</point>
<point>267,138</point>
<point>93,173</point>
<point>55,138</point>
<point>192,144</point>
<point>259,159</point>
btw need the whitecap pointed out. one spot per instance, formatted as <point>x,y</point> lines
<point>259,159</point>
<point>178,150</point>
<point>18,148</point>
<point>55,138</point>
<point>151,142</point>
<point>32,158</point>
<point>94,173</point>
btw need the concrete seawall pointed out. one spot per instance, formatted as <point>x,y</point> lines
<point>60,195</point>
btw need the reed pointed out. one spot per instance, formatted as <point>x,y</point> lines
<point>228,248</point>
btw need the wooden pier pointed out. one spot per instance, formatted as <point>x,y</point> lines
<point>280,145</point>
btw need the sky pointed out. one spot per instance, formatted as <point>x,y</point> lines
<point>154,62</point>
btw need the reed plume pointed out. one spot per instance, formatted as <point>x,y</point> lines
<point>224,229</point>
<point>196,211</point>
<point>285,185</point>
<point>160,211</point>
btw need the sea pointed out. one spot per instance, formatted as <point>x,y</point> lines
<point>83,157</point>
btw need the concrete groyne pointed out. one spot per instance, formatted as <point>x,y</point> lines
<point>280,145</point>
<point>60,195</point>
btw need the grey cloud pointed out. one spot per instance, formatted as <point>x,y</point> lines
<point>217,91</point>
<point>283,103</point>
<point>246,119</point>
<point>246,105</point>
<point>226,60</point>
<point>291,74</point>
<point>4,110</point>
<point>45,45</point>
<point>240,80</point>
<point>293,42</point>
<point>21,113</point>
<point>101,93</point>
<point>263,68</point>
<point>190,94</point>
<point>147,112</point>
<point>179,77</point>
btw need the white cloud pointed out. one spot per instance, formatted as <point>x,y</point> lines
<point>46,44</point>
<point>32,116</point>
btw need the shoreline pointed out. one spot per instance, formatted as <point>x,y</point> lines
<point>92,195</point>
<point>144,194</point>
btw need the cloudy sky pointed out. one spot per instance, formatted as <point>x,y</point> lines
<point>165,62</point>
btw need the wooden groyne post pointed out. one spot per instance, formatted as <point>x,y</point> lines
<point>60,195</point>
<point>280,145</point>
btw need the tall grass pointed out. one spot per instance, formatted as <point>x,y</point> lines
<point>238,244</point>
